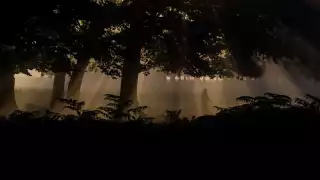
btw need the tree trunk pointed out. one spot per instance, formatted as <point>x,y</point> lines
<point>7,95</point>
<point>129,80</point>
<point>57,91</point>
<point>76,80</point>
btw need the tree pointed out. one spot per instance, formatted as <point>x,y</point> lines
<point>268,27</point>
<point>181,36</point>
<point>86,40</point>
<point>188,36</point>
<point>36,38</point>
<point>55,24</point>
<point>89,42</point>
<point>17,49</point>
<point>78,36</point>
<point>155,34</point>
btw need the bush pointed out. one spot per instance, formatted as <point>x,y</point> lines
<point>271,118</point>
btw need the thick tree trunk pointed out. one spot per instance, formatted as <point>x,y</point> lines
<point>76,80</point>
<point>7,94</point>
<point>57,91</point>
<point>129,80</point>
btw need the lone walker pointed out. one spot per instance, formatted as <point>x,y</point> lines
<point>205,102</point>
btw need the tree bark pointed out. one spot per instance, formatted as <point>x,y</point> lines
<point>76,80</point>
<point>7,95</point>
<point>57,91</point>
<point>129,80</point>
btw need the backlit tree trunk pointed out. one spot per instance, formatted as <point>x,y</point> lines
<point>76,80</point>
<point>57,91</point>
<point>7,94</point>
<point>129,80</point>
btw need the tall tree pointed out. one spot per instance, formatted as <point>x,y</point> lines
<point>161,34</point>
<point>17,49</point>
<point>76,31</point>
<point>49,39</point>
<point>89,41</point>
<point>189,35</point>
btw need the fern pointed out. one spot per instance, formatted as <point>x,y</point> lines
<point>173,116</point>
<point>73,105</point>
<point>21,114</point>
<point>54,116</point>
<point>302,103</point>
<point>310,102</point>
<point>220,109</point>
<point>269,100</point>
<point>114,111</point>
<point>279,100</point>
<point>246,99</point>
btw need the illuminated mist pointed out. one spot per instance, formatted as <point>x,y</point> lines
<point>160,92</point>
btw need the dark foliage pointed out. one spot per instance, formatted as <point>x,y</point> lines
<point>175,36</point>
<point>269,119</point>
<point>111,111</point>
<point>180,36</point>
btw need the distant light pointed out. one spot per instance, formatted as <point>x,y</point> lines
<point>168,78</point>
<point>176,78</point>
<point>182,77</point>
<point>215,79</point>
<point>207,78</point>
<point>191,78</point>
<point>201,78</point>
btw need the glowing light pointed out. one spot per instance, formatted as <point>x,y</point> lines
<point>207,78</point>
<point>215,79</point>
<point>201,78</point>
<point>223,53</point>
<point>176,78</point>
<point>182,77</point>
<point>168,78</point>
<point>191,78</point>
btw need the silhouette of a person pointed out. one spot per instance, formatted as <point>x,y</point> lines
<point>205,102</point>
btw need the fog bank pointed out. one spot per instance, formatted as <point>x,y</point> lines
<point>160,92</point>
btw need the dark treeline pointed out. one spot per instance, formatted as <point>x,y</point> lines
<point>193,37</point>
<point>124,38</point>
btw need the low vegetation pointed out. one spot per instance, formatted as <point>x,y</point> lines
<point>270,118</point>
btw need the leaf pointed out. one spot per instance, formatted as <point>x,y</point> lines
<point>302,102</point>
<point>313,98</point>
<point>220,108</point>
<point>247,99</point>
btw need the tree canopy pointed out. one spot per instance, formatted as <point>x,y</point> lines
<point>189,36</point>
<point>193,37</point>
<point>175,36</point>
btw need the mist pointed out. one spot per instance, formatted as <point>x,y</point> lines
<point>161,92</point>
